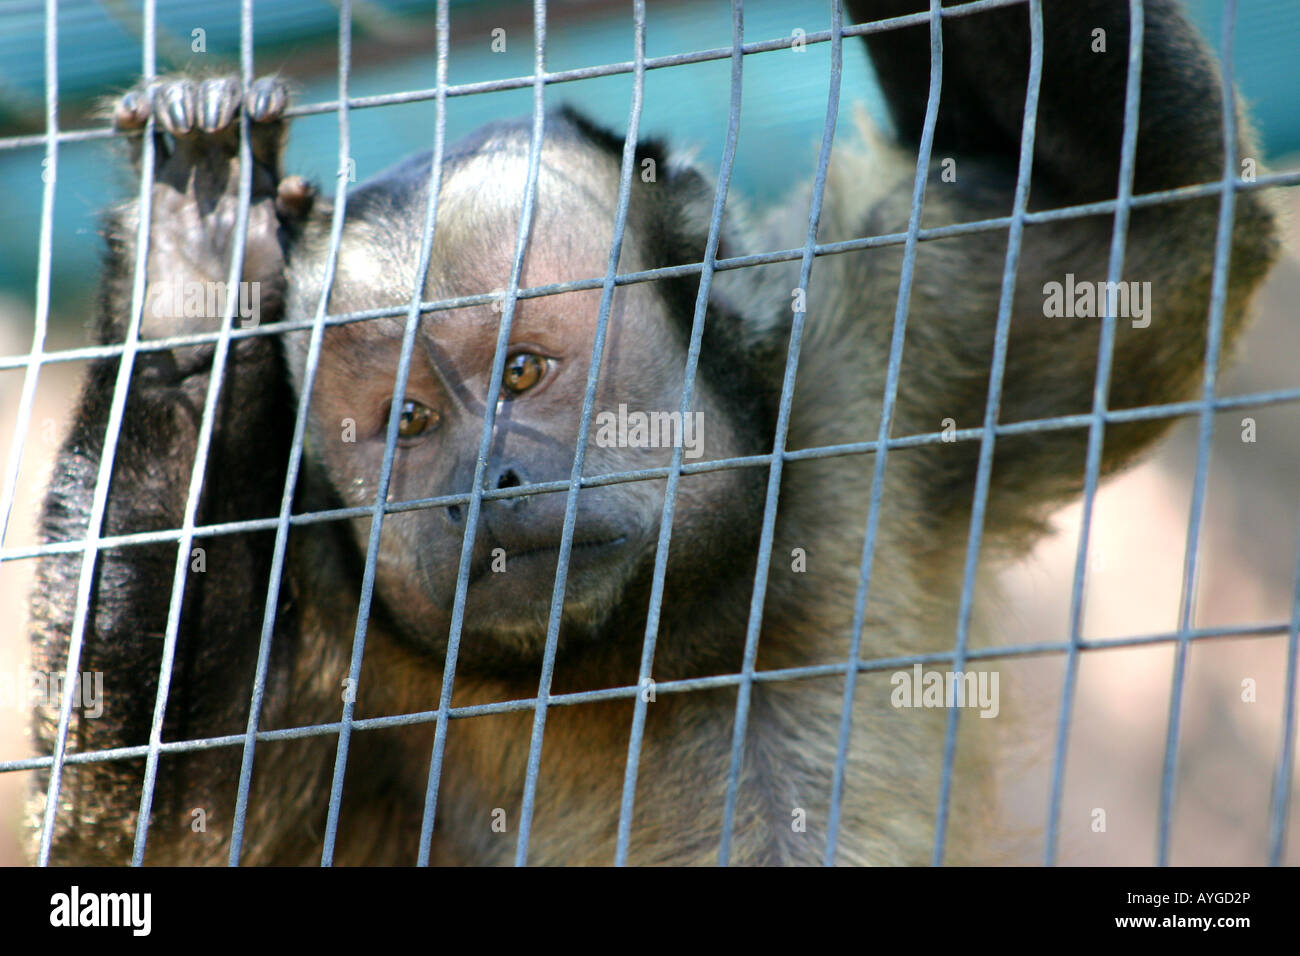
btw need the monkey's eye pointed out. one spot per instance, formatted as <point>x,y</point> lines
<point>416,419</point>
<point>523,371</point>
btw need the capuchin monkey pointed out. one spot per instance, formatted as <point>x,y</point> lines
<point>783,800</point>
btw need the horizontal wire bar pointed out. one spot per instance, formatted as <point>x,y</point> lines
<point>712,682</point>
<point>1105,207</point>
<point>1081,420</point>
<point>30,140</point>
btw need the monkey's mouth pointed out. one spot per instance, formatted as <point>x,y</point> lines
<point>580,550</point>
<point>576,547</point>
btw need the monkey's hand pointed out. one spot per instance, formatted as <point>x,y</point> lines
<point>195,207</point>
<point>196,200</point>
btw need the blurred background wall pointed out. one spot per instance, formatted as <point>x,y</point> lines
<point>1249,541</point>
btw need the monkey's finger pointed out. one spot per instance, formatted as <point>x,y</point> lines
<point>218,102</point>
<point>130,113</point>
<point>132,110</point>
<point>294,197</point>
<point>265,102</point>
<point>267,99</point>
<point>175,104</point>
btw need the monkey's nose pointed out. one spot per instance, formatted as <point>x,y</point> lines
<point>496,477</point>
<point>507,476</point>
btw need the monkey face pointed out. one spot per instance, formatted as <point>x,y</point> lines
<point>635,421</point>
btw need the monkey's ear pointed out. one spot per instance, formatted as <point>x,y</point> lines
<point>690,196</point>
<point>676,199</point>
<point>673,200</point>
<point>607,140</point>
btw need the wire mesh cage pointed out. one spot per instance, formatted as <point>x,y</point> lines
<point>861,656</point>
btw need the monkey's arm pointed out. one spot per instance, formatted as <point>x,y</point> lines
<point>194,208</point>
<point>1081,97</point>
<point>1052,358</point>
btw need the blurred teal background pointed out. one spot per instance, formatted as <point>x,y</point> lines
<point>784,92</point>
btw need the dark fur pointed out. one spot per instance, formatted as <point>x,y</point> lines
<point>893,772</point>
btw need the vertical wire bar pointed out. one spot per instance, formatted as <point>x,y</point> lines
<point>688,395</point>
<point>1281,796</point>
<point>991,408</point>
<point>368,578</point>
<point>624,832</point>
<point>443,26</point>
<point>776,468</point>
<point>1097,427</point>
<point>299,436</point>
<point>489,421</point>
<point>99,500</point>
<point>204,445</point>
<point>422,269</point>
<point>888,403</point>
<point>50,176</point>
<point>1214,341</point>
<point>579,458</point>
